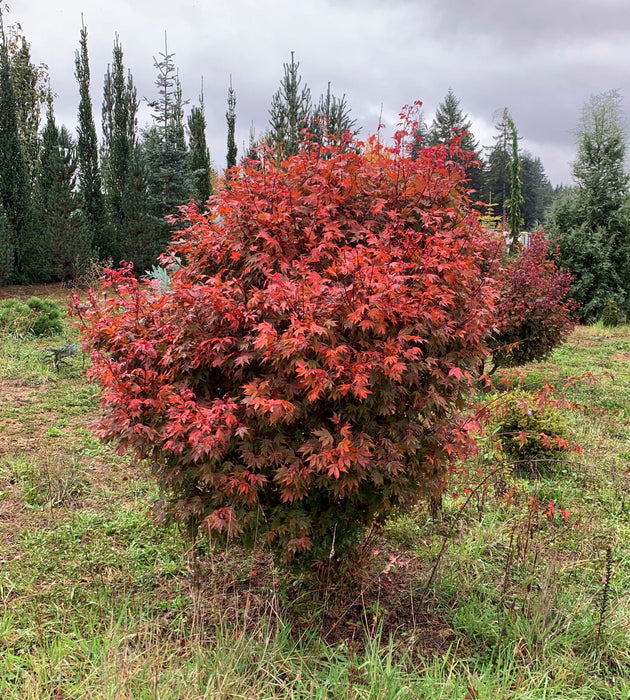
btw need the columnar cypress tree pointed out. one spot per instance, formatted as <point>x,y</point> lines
<point>87,150</point>
<point>230,117</point>
<point>120,105</point>
<point>14,185</point>
<point>290,112</point>
<point>198,154</point>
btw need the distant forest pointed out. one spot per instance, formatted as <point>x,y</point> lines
<point>68,199</point>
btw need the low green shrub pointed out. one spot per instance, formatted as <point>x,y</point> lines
<point>36,316</point>
<point>610,313</point>
<point>533,435</point>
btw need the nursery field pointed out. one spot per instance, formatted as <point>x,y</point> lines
<point>517,588</point>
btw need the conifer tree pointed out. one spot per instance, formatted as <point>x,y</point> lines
<point>230,117</point>
<point>290,112</point>
<point>515,201</point>
<point>30,86</point>
<point>331,119</point>
<point>119,105</point>
<point>449,122</point>
<point>198,153</point>
<point>87,151</point>
<point>65,235</point>
<point>15,203</point>
<point>165,146</point>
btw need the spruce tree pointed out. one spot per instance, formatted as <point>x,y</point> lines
<point>87,151</point>
<point>170,184</point>
<point>331,119</point>
<point>496,181</point>
<point>65,233</point>
<point>591,223</point>
<point>230,117</point>
<point>198,153</point>
<point>290,112</point>
<point>451,122</point>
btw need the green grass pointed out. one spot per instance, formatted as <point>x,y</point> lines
<point>492,599</point>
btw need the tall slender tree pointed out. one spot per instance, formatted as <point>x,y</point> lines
<point>119,115</point>
<point>332,119</point>
<point>15,197</point>
<point>198,153</point>
<point>230,117</point>
<point>515,200</point>
<point>87,150</point>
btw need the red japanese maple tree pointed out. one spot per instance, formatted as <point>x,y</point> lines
<point>535,312</point>
<point>303,371</point>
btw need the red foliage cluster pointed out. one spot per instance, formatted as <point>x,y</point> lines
<point>535,313</point>
<point>302,373</point>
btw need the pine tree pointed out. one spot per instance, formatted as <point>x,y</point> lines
<point>87,151</point>
<point>290,112</point>
<point>14,184</point>
<point>198,153</point>
<point>230,116</point>
<point>65,232</point>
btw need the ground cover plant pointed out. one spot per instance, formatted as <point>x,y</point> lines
<point>502,595</point>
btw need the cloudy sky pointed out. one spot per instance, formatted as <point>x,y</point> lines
<point>542,59</point>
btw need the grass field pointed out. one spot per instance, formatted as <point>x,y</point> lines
<point>490,599</point>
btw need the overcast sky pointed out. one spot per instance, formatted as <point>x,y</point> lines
<point>542,59</point>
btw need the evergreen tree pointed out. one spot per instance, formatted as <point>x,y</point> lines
<point>87,151</point>
<point>230,117</point>
<point>65,233</point>
<point>30,86</point>
<point>450,121</point>
<point>537,191</point>
<point>515,201</point>
<point>591,223</point>
<point>14,186</point>
<point>198,153</point>
<point>290,112</point>
<point>496,181</point>
<point>331,119</point>
<point>6,250</point>
<point>119,105</point>
<point>165,145</point>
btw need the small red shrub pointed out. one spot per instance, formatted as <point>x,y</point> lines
<point>535,313</point>
<point>302,374</point>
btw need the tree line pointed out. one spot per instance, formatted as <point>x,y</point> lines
<point>67,199</point>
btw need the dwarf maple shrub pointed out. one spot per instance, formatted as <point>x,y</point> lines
<point>535,313</point>
<point>302,373</point>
